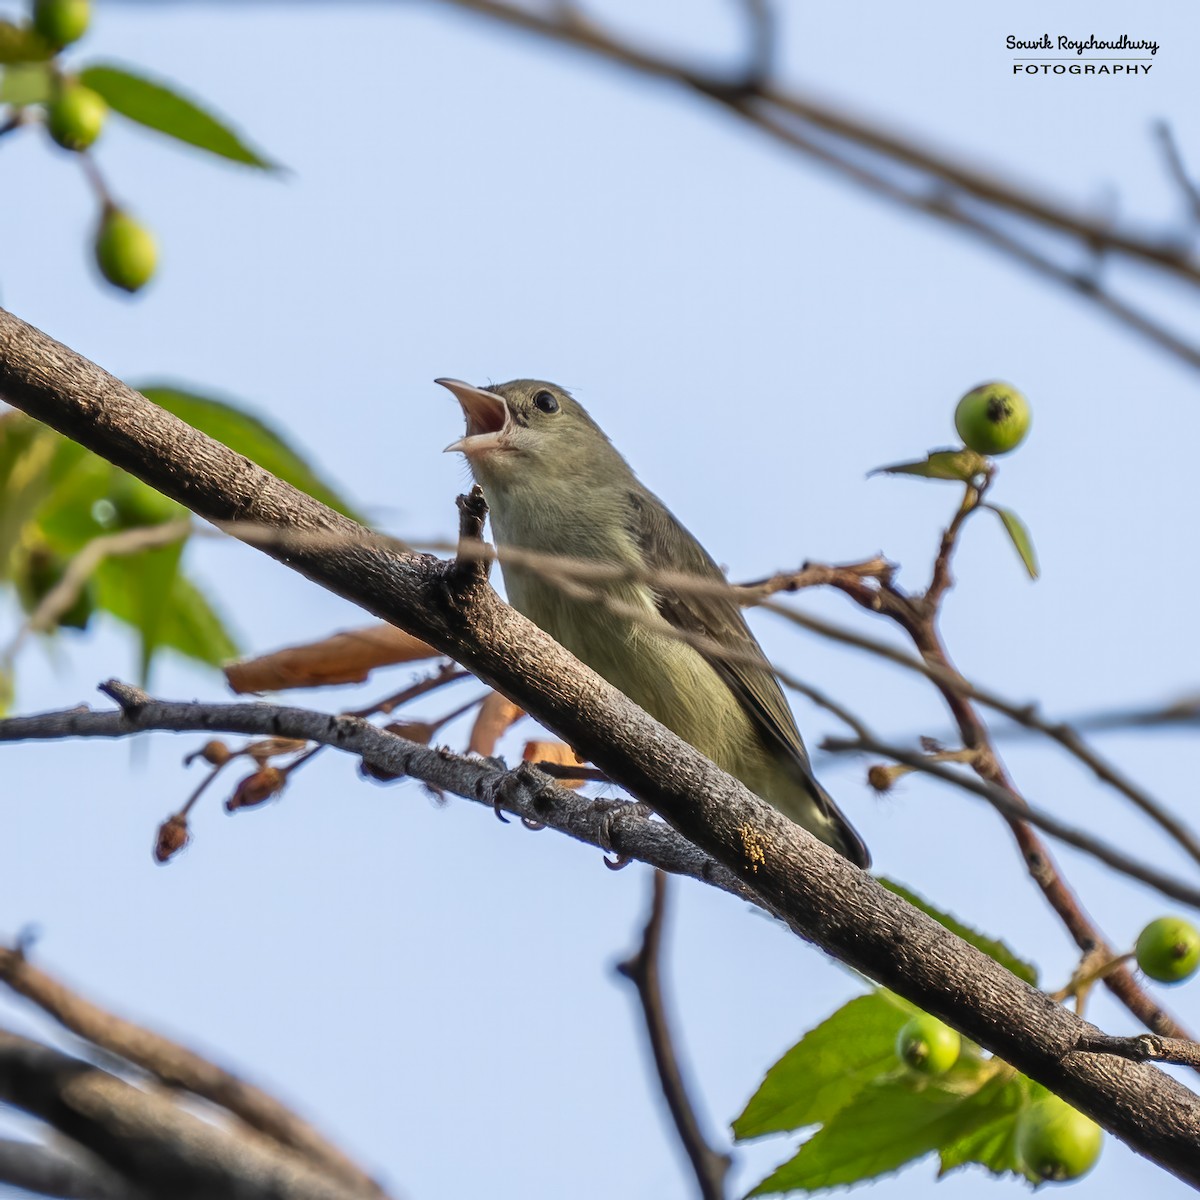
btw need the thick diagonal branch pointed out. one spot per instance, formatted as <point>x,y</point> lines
<point>821,896</point>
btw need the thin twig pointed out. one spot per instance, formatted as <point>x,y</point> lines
<point>1015,807</point>
<point>1176,169</point>
<point>447,673</point>
<point>790,116</point>
<point>524,792</point>
<point>949,680</point>
<point>643,970</point>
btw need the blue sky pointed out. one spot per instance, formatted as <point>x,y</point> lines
<point>434,988</point>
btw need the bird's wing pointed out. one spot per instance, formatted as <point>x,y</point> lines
<point>668,547</point>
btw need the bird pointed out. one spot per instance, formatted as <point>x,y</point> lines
<point>556,487</point>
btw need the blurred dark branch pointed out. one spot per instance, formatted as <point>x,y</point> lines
<point>643,970</point>
<point>1177,171</point>
<point>63,1172</point>
<point>177,1066</point>
<point>892,165</point>
<point>152,1141</point>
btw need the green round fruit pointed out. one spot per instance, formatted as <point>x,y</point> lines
<point>126,251</point>
<point>992,418</point>
<point>76,116</point>
<point>927,1046</point>
<point>61,22</point>
<point>1168,949</point>
<point>1057,1142</point>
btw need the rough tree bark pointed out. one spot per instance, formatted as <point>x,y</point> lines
<point>821,896</point>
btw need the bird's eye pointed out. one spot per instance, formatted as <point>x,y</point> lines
<point>546,401</point>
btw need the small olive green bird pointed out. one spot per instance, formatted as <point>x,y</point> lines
<point>556,485</point>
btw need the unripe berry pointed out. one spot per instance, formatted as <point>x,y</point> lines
<point>126,251</point>
<point>61,22</point>
<point>1057,1142</point>
<point>76,116</point>
<point>992,418</point>
<point>1168,949</point>
<point>927,1046</point>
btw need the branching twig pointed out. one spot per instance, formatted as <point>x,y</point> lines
<point>1015,807</point>
<point>606,824</point>
<point>1176,169</point>
<point>643,970</point>
<point>949,680</point>
<point>838,140</point>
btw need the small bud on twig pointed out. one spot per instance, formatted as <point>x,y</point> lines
<point>256,789</point>
<point>173,835</point>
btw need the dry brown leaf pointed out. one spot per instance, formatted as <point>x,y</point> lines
<point>265,749</point>
<point>346,657</point>
<point>555,752</point>
<point>415,731</point>
<point>496,715</point>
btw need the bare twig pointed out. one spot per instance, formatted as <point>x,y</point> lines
<point>838,140</point>
<point>1176,169</point>
<point>950,680</point>
<point>1015,807</point>
<point>643,970</point>
<point>446,673</point>
<point>524,792</point>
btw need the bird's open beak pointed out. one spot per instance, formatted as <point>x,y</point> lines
<point>487,417</point>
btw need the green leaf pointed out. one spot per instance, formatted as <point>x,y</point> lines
<point>137,588</point>
<point>890,1123</point>
<point>27,450</point>
<point>961,465</point>
<point>157,106</point>
<point>993,1143</point>
<point>191,626</point>
<point>827,1069</point>
<point>990,946</point>
<point>1019,535</point>
<point>22,44</point>
<point>247,435</point>
<point>26,83</point>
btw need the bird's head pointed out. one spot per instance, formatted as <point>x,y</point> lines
<point>526,425</point>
